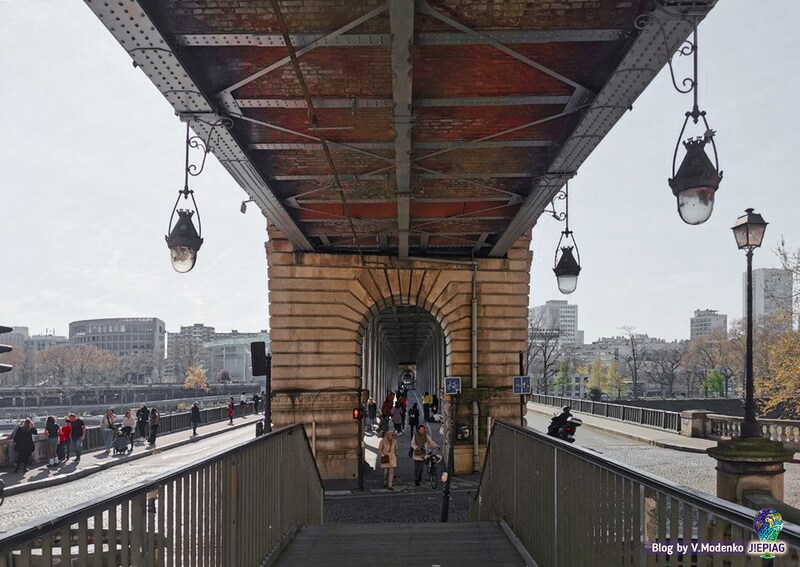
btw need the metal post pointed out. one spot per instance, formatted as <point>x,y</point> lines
<point>360,442</point>
<point>450,460</point>
<point>749,426</point>
<point>521,396</point>
<point>268,397</point>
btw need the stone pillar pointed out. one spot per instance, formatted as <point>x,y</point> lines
<point>752,464</point>
<point>321,306</point>
<point>693,423</point>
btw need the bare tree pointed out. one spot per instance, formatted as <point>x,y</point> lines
<point>187,353</point>
<point>664,367</point>
<point>543,351</point>
<point>634,358</point>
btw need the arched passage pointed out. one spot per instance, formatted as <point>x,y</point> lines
<point>402,338</point>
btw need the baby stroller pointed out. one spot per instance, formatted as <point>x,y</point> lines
<point>122,440</point>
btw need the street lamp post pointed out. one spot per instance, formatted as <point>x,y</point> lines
<point>749,233</point>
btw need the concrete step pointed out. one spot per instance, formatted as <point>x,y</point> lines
<point>474,544</point>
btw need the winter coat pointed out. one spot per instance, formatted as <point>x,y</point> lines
<point>387,447</point>
<point>23,440</point>
<point>397,415</point>
<point>419,455</point>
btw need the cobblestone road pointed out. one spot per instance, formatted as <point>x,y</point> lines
<point>694,470</point>
<point>38,504</point>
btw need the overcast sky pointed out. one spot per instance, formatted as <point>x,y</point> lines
<point>91,159</point>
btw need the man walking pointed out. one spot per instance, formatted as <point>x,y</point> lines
<point>78,435</point>
<point>195,418</point>
<point>256,401</point>
<point>142,417</point>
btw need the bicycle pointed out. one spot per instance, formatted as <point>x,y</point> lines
<point>433,459</point>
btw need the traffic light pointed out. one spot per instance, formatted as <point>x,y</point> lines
<point>357,413</point>
<point>5,348</point>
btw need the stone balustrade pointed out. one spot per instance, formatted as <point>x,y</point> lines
<point>726,427</point>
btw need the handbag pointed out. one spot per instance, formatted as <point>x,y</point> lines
<point>410,453</point>
<point>384,459</point>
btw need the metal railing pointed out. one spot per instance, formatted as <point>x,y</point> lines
<point>726,426</point>
<point>572,507</point>
<point>659,419</point>
<point>231,510</point>
<point>94,435</point>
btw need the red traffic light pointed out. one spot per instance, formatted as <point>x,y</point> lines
<point>356,413</point>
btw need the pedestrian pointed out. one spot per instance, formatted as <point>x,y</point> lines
<point>107,427</point>
<point>397,418</point>
<point>413,417</point>
<point>372,412</point>
<point>52,429</point>
<point>127,428</point>
<point>78,435</point>
<point>155,421</point>
<point>64,436</point>
<point>387,449</point>
<point>427,400</point>
<point>243,403</point>
<point>23,440</point>
<point>230,411</point>
<point>434,404</point>
<point>195,418</point>
<point>142,417</point>
<point>403,406</point>
<point>420,444</point>
<point>256,401</point>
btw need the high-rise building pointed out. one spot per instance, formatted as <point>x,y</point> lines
<point>705,321</point>
<point>772,296</point>
<point>557,315</point>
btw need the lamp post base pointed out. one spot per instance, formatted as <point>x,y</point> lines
<point>750,463</point>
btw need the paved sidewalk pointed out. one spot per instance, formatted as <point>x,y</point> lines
<point>649,435</point>
<point>39,476</point>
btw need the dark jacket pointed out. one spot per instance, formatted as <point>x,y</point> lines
<point>143,414</point>
<point>23,440</point>
<point>195,414</point>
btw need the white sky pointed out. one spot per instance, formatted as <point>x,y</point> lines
<point>91,160</point>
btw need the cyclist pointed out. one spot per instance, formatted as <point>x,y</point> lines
<point>420,444</point>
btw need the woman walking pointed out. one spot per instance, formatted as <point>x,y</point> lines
<point>388,452</point>
<point>23,440</point>
<point>107,427</point>
<point>52,429</point>
<point>372,413</point>
<point>155,421</point>
<point>421,443</point>
<point>230,411</point>
<point>397,418</point>
<point>127,428</point>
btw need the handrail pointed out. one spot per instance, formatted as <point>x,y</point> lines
<point>25,533</point>
<point>668,420</point>
<point>722,508</point>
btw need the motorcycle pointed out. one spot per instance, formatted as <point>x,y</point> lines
<point>565,431</point>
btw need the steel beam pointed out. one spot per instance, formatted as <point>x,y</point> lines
<point>492,175</point>
<point>369,103</point>
<point>639,66</point>
<point>385,40</point>
<point>401,23</point>
<point>284,146</point>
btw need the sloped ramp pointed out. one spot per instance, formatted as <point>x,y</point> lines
<point>471,544</point>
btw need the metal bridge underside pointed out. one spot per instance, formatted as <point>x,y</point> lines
<point>435,127</point>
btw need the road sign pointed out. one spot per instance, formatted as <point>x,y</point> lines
<point>522,385</point>
<point>452,385</point>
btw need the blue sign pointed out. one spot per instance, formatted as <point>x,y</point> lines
<point>452,385</point>
<point>522,385</point>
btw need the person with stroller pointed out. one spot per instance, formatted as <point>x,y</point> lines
<point>127,428</point>
<point>107,426</point>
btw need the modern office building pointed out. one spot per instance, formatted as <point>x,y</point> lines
<point>560,316</point>
<point>233,354</point>
<point>772,296</point>
<point>705,321</point>
<point>121,336</point>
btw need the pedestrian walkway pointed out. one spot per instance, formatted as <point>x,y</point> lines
<point>40,476</point>
<point>404,474</point>
<point>475,544</point>
<point>649,435</point>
